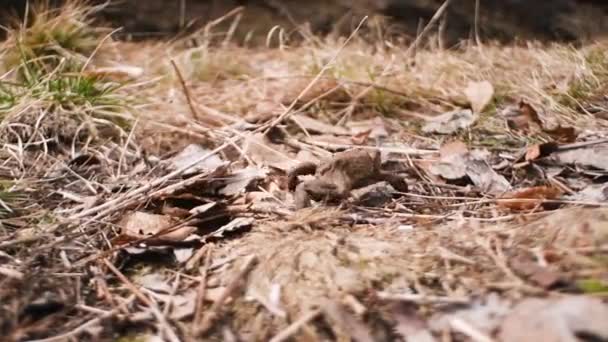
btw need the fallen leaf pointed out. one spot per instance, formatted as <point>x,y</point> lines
<point>191,154</point>
<point>265,153</point>
<point>530,198</point>
<point>556,320</point>
<point>139,223</point>
<point>317,126</point>
<point>375,128</point>
<point>457,162</point>
<point>479,95</point>
<point>453,148</point>
<point>154,281</point>
<point>241,179</point>
<point>485,314</point>
<point>596,157</point>
<point>592,193</point>
<point>450,122</point>
<point>234,225</point>
<point>537,151</point>
<point>522,118</point>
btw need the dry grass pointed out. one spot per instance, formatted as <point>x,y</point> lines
<point>430,245</point>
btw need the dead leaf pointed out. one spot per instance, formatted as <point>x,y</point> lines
<point>479,95</point>
<point>241,179</point>
<point>452,148</point>
<point>522,118</point>
<point>191,154</point>
<point>527,197</point>
<point>556,320</point>
<point>456,164</point>
<point>316,126</point>
<point>485,314</point>
<point>234,225</point>
<point>537,151</point>
<point>154,281</point>
<point>450,122</point>
<point>592,193</point>
<point>596,156</point>
<point>375,128</point>
<point>144,224</point>
<point>265,153</point>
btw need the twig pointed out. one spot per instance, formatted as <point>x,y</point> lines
<point>214,311</point>
<point>171,335</point>
<point>295,326</point>
<point>428,27</point>
<point>399,150</point>
<point>422,299</point>
<point>202,289</point>
<point>72,334</point>
<point>288,110</point>
<point>464,327</point>
<point>186,90</point>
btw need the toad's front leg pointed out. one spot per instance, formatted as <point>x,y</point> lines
<point>317,190</point>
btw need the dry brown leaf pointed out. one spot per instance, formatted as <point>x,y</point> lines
<point>540,150</point>
<point>479,95</point>
<point>240,180</point>
<point>139,224</point>
<point>452,148</point>
<point>376,127</point>
<point>143,224</point>
<point>523,118</point>
<point>191,154</point>
<point>527,197</point>
<point>450,122</point>
<point>596,156</point>
<point>457,163</point>
<point>556,320</point>
<point>265,153</point>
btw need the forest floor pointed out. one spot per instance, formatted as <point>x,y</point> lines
<point>144,188</point>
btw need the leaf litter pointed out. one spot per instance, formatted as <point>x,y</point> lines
<point>195,236</point>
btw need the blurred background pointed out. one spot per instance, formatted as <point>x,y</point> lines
<point>504,20</point>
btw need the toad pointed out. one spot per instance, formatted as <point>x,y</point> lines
<point>351,169</point>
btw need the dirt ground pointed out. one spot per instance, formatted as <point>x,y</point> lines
<point>146,187</point>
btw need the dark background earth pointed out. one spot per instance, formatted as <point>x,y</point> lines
<point>563,20</point>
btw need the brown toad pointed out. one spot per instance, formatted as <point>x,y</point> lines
<point>351,169</point>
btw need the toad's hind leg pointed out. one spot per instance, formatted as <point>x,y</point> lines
<point>307,168</point>
<point>317,190</point>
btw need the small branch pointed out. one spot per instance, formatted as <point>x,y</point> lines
<point>186,90</point>
<point>214,311</point>
<point>428,27</point>
<point>295,326</point>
